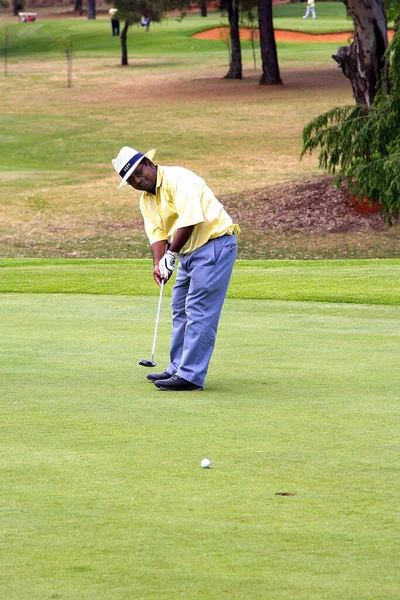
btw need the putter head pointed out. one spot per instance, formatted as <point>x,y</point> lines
<point>147,363</point>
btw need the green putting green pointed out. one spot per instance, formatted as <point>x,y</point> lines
<point>103,495</point>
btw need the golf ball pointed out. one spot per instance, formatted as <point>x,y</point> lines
<point>205,463</point>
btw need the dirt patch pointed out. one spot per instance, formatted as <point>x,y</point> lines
<point>281,35</point>
<point>313,206</point>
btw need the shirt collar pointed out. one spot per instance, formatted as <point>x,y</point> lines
<point>160,175</point>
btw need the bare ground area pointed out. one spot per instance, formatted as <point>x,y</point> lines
<point>308,219</point>
<point>311,219</point>
<point>314,206</point>
<point>281,35</point>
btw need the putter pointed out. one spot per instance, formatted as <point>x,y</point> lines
<point>151,363</point>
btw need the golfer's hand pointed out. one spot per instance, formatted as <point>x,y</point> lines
<point>157,276</point>
<point>166,265</point>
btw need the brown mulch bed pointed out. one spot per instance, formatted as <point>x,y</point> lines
<point>313,206</point>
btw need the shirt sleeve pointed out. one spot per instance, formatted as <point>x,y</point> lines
<point>152,229</point>
<point>187,195</point>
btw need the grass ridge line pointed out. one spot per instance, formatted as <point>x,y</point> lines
<point>370,281</point>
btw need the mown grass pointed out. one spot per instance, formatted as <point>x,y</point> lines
<point>331,17</point>
<point>173,36</point>
<point>361,282</point>
<point>102,492</point>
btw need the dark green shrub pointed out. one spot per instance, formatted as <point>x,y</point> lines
<point>363,145</point>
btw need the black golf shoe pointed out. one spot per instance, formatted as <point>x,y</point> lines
<point>156,376</point>
<point>177,384</point>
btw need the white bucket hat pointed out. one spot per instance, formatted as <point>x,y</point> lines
<point>127,161</point>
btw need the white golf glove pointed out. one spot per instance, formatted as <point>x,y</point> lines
<point>167,264</point>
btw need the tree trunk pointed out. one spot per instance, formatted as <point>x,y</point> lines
<point>91,9</point>
<point>79,6</point>
<point>124,49</point>
<point>362,62</point>
<point>17,6</point>
<point>269,56</point>
<point>235,67</point>
<point>203,8</point>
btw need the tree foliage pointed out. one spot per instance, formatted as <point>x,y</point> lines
<point>392,10</point>
<point>363,144</point>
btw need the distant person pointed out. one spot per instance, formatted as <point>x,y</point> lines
<point>114,20</point>
<point>146,20</point>
<point>310,9</point>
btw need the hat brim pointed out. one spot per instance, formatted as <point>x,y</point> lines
<point>150,155</point>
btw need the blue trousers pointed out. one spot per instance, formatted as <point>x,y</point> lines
<point>197,299</point>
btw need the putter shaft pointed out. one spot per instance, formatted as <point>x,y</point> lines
<point>157,321</point>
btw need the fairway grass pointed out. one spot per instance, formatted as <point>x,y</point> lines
<point>102,496</point>
<point>102,492</point>
<point>353,281</point>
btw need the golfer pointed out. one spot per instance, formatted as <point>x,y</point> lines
<point>183,218</point>
<point>310,9</point>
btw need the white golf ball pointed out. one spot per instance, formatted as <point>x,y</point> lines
<point>205,463</point>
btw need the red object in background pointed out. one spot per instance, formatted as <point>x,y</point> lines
<point>365,207</point>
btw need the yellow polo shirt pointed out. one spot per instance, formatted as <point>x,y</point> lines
<point>183,199</point>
